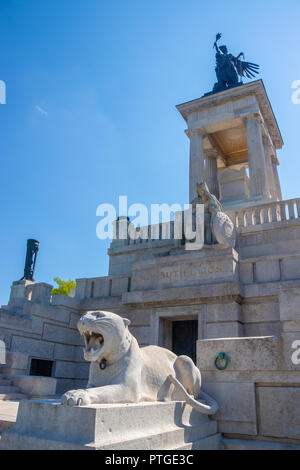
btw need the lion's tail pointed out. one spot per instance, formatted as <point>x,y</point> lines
<point>209,409</point>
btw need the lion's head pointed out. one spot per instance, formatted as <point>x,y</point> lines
<point>106,336</point>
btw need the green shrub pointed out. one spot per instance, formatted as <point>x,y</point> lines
<point>64,287</point>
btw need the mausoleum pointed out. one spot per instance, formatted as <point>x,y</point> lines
<point>233,310</point>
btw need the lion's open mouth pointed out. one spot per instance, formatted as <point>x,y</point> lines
<point>93,345</point>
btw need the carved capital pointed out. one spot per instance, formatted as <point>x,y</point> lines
<point>253,117</point>
<point>266,139</point>
<point>211,153</point>
<point>191,132</point>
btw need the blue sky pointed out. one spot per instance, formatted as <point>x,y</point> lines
<point>91,92</point>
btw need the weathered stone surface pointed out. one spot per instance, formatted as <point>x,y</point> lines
<point>47,312</point>
<point>257,444</point>
<point>74,317</point>
<point>291,268</point>
<point>33,347</point>
<point>17,322</point>
<point>119,285</point>
<point>211,265</point>
<point>65,352</point>
<point>261,353</point>
<point>224,330</point>
<point>236,401</point>
<point>64,369</point>
<point>260,311</point>
<point>291,350</point>
<point>246,272</point>
<point>226,312</point>
<point>223,229</point>
<point>65,301</point>
<point>267,271</point>
<point>59,334</point>
<point>262,329</point>
<point>280,411</point>
<point>131,426</point>
<point>253,376</point>
<point>35,386</point>
<point>16,360</point>
<point>183,295</point>
<point>237,427</point>
<point>41,292</point>
<point>289,301</point>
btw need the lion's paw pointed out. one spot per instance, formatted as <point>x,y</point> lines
<point>76,398</point>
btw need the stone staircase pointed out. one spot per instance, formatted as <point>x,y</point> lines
<point>47,425</point>
<point>7,390</point>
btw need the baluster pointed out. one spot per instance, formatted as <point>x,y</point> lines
<point>265,214</point>
<point>165,231</point>
<point>274,213</point>
<point>249,217</point>
<point>172,230</point>
<point>282,210</point>
<point>291,209</point>
<point>298,208</point>
<point>257,216</point>
<point>241,219</point>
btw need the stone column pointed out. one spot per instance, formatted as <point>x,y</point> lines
<point>269,167</point>
<point>211,172</point>
<point>256,157</point>
<point>196,161</point>
<point>276,178</point>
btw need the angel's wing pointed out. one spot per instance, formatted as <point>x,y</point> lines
<point>247,69</point>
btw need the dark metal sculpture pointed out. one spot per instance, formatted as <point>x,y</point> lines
<point>31,254</point>
<point>229,68</point>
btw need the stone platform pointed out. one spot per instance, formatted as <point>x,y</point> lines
<point>45,424</point>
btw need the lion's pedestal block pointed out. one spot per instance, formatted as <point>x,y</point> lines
<point>149,426</point>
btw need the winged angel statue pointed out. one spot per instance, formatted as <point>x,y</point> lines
<point>229,67</point>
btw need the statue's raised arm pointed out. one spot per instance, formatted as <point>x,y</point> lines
<point>229,68</point>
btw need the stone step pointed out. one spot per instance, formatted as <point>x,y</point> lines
<point>8,414</point>
<point>13,396</point>
<point>8,389</point>
<point>213,442</point>
<point>43,424</point>
<point>5,382</point>
<point>244,444</point>
<point>196,438</point>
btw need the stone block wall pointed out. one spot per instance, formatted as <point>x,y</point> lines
<point>258,393</point>
<point>47,329</point>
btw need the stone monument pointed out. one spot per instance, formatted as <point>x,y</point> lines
<point>232,306</point>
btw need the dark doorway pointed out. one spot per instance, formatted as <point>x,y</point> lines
<point>41,367</point>
<point>184,337</point>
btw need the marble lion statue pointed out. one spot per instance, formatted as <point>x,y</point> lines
<point>122,372</point>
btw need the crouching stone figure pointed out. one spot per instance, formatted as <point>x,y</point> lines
<point>122,372</point>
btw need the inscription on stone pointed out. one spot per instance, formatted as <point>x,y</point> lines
<point>171,275</point>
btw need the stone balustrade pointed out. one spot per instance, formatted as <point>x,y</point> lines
<point>263,214</point>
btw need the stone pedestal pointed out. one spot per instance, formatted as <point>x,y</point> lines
<point>213,264</point>
<point>142,426</point>
<point>18,292</point>
<point>234,185</point>
<point>233,123</point>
